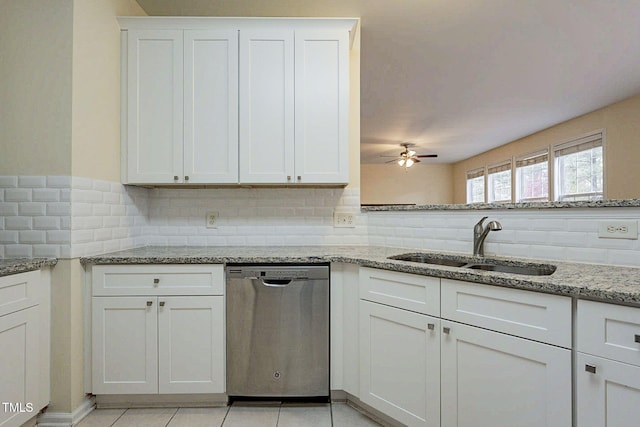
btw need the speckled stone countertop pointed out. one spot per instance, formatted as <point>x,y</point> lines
<point>622,203</point>
<point>593,281</point>
<point>21,265</point>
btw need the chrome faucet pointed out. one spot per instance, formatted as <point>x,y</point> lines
<point>480,233</point>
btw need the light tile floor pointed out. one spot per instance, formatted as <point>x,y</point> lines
<point>237,415</point>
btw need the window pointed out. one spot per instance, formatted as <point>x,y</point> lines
<point>579,169</point>
<point>532,177</point>
<point>475,186</point>
<point>499,182</point>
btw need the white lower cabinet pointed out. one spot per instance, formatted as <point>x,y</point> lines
<point>167,344</point>
<point>400,363</point>
<point>608,364</point>
<point>608,392</point>
<point>146,345</point>
<point>25,324</point>
<point>494,379</point>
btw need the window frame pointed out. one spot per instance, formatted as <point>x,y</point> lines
<point>527,156</point>
<point>499,167</point>
<point>477,173</point>
<point>586,138</point>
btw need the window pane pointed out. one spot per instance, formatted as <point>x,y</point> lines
<point>580,175</point>
<point>475,190</point>
<point>532,182</point>
<point>500,186</point>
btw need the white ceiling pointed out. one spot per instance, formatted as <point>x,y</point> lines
<point>457,77</point>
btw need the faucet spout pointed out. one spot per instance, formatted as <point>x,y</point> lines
<point>480,234</point>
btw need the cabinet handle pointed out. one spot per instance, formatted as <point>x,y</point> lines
<point>590,368</point>
<point>156,281</point>
<point>299,178</point>
<point>288,177</point>
<point>175,177</point>
<point>186,178</point>
<point>149,303</point>
<point>446,330</point>
<point>431,326</point>
<point>161,303</point>
<point>636,338</point>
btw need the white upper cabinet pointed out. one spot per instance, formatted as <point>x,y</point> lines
<point>322,107</point>
<point>154,106</point>
<point>182,106</point>
<point>210,106</point>
<point>235,101</point>
<point>266,106</point>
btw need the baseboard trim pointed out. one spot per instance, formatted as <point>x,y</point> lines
<point>67,419</point>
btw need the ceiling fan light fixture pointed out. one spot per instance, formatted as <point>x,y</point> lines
<point>409,163</point>
<point>401,162</point>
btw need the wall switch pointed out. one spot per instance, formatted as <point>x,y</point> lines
<point>212,219</point>
<point>618,230</point>
<point>344,220</point>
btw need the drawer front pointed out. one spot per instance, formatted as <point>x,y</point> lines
<point>402,290</point>
<point>609,330</point>
<point>18,291</point>
<point>536,316</point>
<point>157,280</point>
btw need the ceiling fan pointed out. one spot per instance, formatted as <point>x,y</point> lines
<point>408,157</point>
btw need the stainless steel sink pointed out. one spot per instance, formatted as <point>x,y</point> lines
<point>527,269</point>
<point>428,259</point>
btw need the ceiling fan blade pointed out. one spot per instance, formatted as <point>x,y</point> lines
<point>426,155</point>
<point>415,160</point>
<point>392,161</point>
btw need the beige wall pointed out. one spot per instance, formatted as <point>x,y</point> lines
<point>421,184</point>
<point>96,87</point>
<point>622,152</point>
<point>35,87</point>
<point>354,113</point>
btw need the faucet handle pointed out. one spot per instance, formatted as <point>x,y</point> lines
<point>479,223</point>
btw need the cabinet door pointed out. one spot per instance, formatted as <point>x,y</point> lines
<point>210,106</point>
<point>154,106</point>
<point>125,345</point>
<point>191,344</point>
<point>608,392</point>
<point>322,107</point>
<point>492,379</point>
<point>19,366</point>
<point>400,371</point>
<point>266,106</point>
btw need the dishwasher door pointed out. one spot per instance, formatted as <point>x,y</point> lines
<point>277,331</point>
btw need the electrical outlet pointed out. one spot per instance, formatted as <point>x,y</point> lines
<point>212,219</point>
<point>344,220</point>
<point>618,230</point>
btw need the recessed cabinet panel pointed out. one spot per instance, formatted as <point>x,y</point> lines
<point>125,345</point>
<point>609,330</point>
<point>532,315</point>
<point>211,106</point>
<point>400,370</point>
<point>191,342</point>
<point>19,376</point>
<point>266,106</point>
<point>608,392</point>
<point>154,105</point>
<point>493,379</point>
<point>322,104</point>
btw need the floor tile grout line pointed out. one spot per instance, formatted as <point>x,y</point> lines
<point>226,414</point>
<point>120,416</point>
<point>172,416</point>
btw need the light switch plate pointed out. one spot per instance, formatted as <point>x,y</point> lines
<point>618,230</point>
<point>344,220</point>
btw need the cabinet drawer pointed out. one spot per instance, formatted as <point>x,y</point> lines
<point>157,280</point>
<point>540,317</point>
<point>409,291</point>
<point>18,291</point>
<point>609,330</point>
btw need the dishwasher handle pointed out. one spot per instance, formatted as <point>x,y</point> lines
<point>278,283</point>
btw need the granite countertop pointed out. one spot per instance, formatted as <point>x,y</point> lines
<point>612,203</point>
<point>21,265</point>
<point>593,281</point>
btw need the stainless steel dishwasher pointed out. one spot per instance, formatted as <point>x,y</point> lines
<point>277,331</point>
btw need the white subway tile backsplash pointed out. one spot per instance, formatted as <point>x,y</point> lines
<point>17,194</point>
<point>61,181</point>
<point>32,208</point>
<point>8,181</point>
<point>25,181</point>
<point>8,237</point>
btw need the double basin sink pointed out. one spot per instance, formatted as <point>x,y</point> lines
<point>528,269</point>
